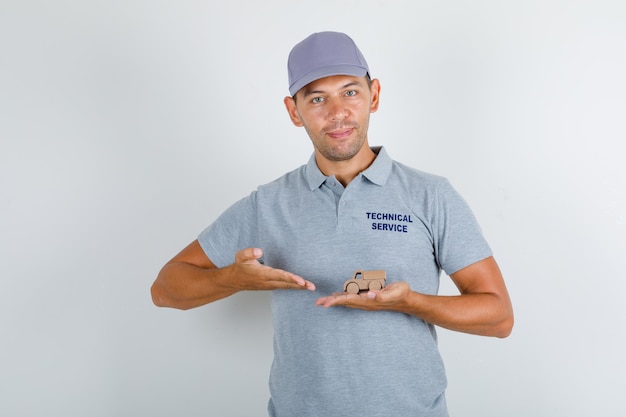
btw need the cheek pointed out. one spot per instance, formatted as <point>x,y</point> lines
<point>312,121</point>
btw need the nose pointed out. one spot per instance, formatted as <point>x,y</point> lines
<point>337,110</point>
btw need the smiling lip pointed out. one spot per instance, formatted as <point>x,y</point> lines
<point>340,133</point>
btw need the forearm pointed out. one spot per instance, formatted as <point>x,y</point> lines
<point>482,314</point>
<point>182,285</point>
<point>191,279</point>
<point>483,306</point>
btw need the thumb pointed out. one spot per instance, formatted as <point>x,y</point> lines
<point>371,294</point>
<point>248,254</point>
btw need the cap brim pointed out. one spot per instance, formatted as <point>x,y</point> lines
<point>326,72</point>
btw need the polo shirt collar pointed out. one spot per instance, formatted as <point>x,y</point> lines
<point>377,173</point>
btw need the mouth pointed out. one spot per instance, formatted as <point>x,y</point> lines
<point>340,133</point>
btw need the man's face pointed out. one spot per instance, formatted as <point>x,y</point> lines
<point>335,112</point>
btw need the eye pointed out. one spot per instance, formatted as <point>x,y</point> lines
<point>317,100</point>
<point>351,93</point>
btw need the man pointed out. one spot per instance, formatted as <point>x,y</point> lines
<point>350,207</point>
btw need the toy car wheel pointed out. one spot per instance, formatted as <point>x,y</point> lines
<point>375,285</point>
<point>352,288</point>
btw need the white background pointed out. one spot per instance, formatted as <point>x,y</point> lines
<point>126,127</point>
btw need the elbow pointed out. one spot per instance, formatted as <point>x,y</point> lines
<point>161,298</point>
<point>505,327</point>
<point>161,292</point>
<point>158,296</point>
<point>500,322</point>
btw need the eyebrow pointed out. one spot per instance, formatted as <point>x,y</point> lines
<point>308,92</point>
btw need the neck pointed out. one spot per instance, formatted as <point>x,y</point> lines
<point>346,171</point>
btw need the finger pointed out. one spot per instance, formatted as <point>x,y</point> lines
<point>321,301</point>
<point>325,301</point>
<point>338,299</point>
<point>298,280</point>
<point>371,295</point>
<point>274,278</point>
<point>248,254</point>
<point>281,279</point>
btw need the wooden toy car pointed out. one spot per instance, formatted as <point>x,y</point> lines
<point>365,281</point>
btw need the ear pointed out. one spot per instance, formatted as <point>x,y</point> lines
<point>290,104</point>
<point>375,92</point>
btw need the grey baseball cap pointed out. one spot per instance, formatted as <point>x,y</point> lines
<point>321,55</point>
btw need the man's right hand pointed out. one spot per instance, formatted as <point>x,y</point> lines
<point>191,279</point>
<point>247,273</point>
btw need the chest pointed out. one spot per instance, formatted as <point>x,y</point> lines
<point>326,235</point>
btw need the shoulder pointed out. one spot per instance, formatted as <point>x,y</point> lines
<point>389,172</point>
<point>286,183</point>
<point>414,179</point>
<point>423,189</point>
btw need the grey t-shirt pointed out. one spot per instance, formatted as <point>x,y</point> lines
<point>340,361</point>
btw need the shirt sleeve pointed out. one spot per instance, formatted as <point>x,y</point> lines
<point>233,230</point>
<point>459,241</point>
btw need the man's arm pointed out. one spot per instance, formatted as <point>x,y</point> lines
<point>482,308</point>
<point>191,279</point>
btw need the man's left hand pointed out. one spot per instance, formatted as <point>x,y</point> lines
<point>392,297</point>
